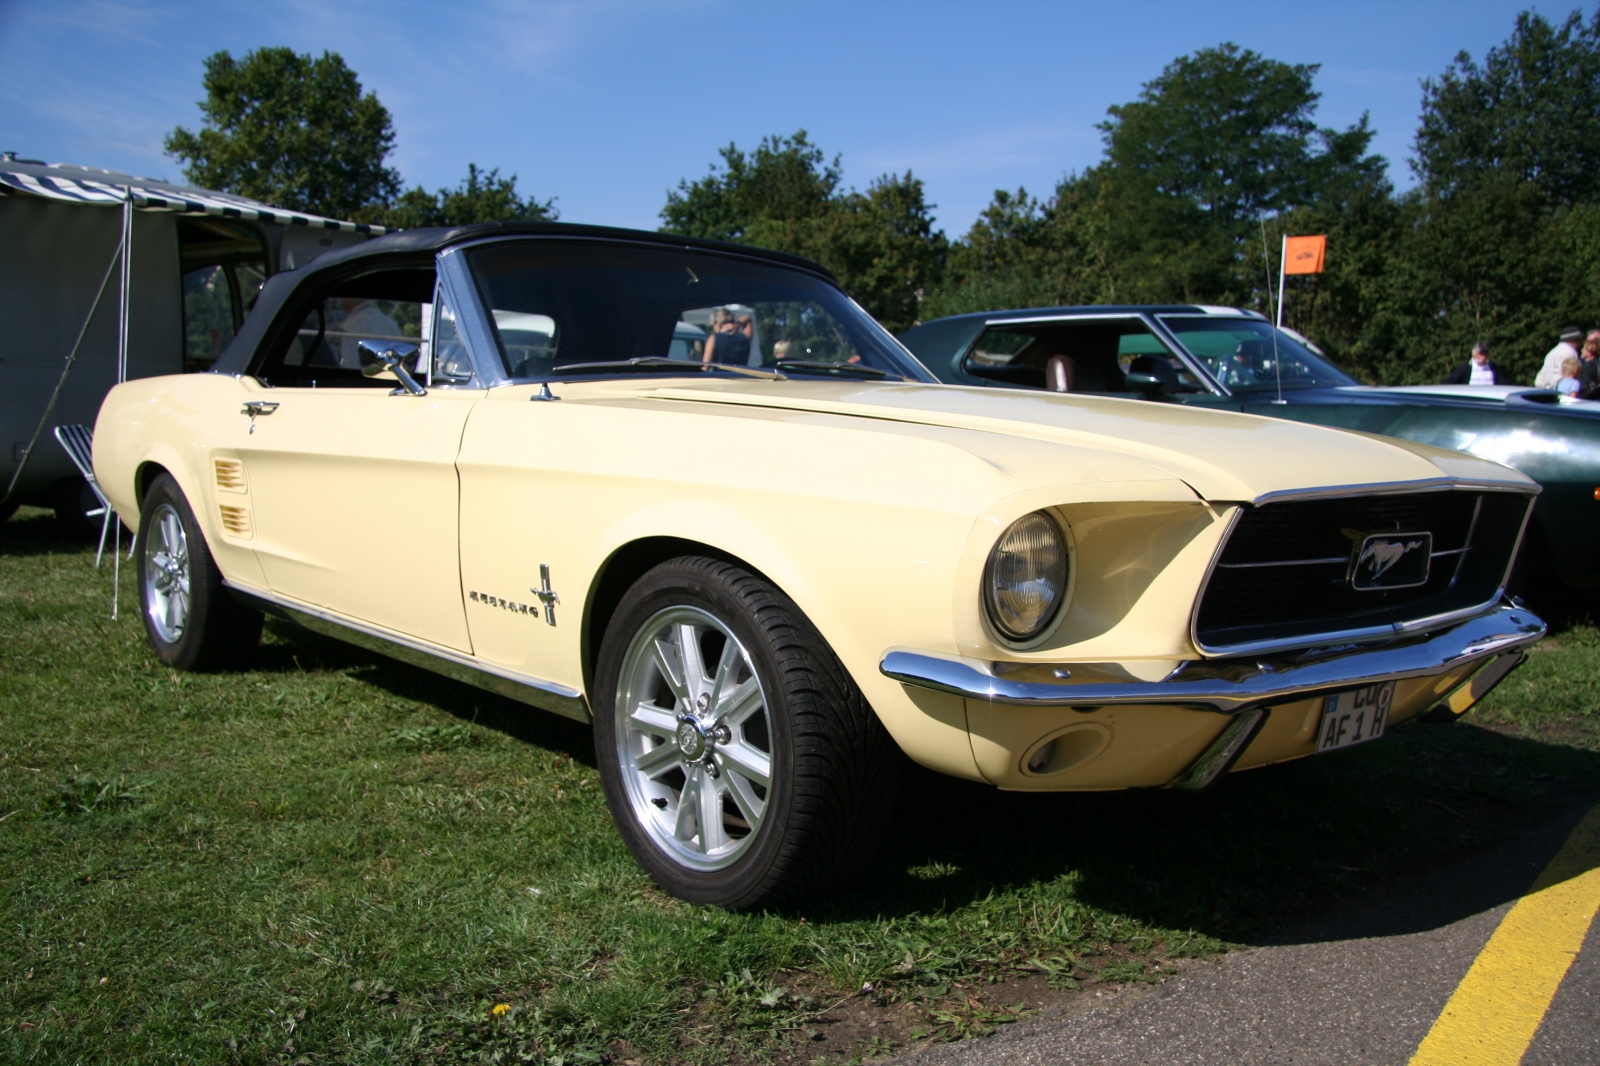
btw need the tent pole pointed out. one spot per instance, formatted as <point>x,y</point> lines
<point>127,278</point>
<point>49,408</point>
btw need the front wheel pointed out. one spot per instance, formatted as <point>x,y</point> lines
<point>740,761</point>
<point>189,618</point>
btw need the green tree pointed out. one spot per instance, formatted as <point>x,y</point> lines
<point>1218,141</point>
<point>786,195</point>
<point>1530,113</point>
<point>292,130</point>
<point>780,185</point>
<point>482,196</point>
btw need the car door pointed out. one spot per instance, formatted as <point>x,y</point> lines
<point>353,478</point>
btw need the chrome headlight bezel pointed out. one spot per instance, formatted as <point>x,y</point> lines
<point>993,615</point>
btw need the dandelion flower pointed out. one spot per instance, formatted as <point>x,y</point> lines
<point>500,1009</point>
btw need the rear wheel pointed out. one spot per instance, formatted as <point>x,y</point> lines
<point>741,763</point>
<point>189,618</point>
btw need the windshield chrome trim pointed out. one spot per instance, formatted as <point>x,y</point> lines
<point>1227,686</point>
<point>546,695</point>
<point>488,364</point>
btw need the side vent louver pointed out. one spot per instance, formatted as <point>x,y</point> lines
<point>230,475</point>
<point>236,520</point>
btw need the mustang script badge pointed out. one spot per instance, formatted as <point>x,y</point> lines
<point>1391,561</point>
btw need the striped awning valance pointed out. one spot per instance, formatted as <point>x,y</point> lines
<point>181,201</point>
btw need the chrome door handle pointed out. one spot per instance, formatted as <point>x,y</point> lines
<point>255,408</point>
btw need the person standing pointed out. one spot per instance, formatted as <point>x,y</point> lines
<point>1478,370</point>
<point>1589,375</point>
<point>1550,373</point>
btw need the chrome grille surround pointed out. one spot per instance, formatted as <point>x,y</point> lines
<point>1379,616</point>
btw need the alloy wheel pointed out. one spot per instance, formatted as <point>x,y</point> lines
<point>694,738</point>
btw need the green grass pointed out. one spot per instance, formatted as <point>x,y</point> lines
<point>338,858</point>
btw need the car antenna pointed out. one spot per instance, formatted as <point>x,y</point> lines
<point>1266,266</point>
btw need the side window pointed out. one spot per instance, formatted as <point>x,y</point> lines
<point>1001,355</point>
<point>1077,355</point>
<point>325,350</point>
<point>1143,353</point>
<point>208,323</point>
<point>445,359</point>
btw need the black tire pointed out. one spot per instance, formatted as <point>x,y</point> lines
<point>833,769</point>
<point>214,631</point>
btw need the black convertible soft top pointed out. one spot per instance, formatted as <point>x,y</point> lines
<point>426,242</point>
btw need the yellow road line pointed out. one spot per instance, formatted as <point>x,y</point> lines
<point>1491,1018</point>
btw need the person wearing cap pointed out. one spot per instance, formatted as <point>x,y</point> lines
<point>1550,373</point>
<point>1478,370</point>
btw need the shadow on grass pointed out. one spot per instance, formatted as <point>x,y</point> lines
<point>1261,851</point>
<point>293,648</point>
<point>34,531</point>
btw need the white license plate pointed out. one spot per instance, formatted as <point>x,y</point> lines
<point>1355,717</point>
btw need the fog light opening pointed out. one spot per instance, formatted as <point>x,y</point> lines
<point>1041,757</point>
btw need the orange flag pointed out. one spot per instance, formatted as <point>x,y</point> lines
<point>1303,255</point>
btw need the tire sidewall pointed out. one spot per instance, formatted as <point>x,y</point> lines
<point>185,651</point>
<point>684,583</point>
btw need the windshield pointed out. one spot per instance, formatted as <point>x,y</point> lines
<point>1240,354</point>
<point>573,305</point>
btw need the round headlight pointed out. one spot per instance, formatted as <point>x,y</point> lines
<point>1026,577</point>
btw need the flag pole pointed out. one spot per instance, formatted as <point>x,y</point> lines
<point>1283,262</point>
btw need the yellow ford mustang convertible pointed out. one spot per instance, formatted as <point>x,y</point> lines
<point>691,492</point>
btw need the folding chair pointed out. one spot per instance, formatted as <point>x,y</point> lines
<point>79,444</point>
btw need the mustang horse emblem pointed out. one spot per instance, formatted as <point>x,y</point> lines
<point>1386,562</point>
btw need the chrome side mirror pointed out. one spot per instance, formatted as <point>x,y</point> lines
<point>398,357</point>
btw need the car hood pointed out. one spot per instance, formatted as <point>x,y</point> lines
<point>1221,455</point>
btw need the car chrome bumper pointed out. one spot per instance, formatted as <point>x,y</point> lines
<point>1227,686</point>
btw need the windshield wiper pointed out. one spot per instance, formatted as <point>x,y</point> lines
<point>648,364</point>
<point>834,368</point>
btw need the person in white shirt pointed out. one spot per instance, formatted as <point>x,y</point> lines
<point>1550,373</point>
<point>1476,371</point>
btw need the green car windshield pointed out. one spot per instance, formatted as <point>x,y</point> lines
<point>1248,355</point>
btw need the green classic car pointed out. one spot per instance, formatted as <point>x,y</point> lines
<point>1233,359</point>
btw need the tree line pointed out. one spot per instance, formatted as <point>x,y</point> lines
<point>1220,154</point>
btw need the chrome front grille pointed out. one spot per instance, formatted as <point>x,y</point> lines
<point>1284,575</point>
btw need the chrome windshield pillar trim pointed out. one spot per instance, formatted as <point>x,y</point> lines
<point>472,320</point>
<point>1219,758</point>
<point>545,695</point>
<point>1227,686</point>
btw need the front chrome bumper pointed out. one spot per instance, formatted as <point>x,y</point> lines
<point>1228,686</point>
<point>1246,687</point>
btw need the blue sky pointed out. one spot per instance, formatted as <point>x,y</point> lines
<point>605,104</point>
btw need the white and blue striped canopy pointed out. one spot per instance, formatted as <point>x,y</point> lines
<point>159,196</point>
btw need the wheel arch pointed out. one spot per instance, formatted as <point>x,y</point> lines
<point>626,565</point>
<point>144,475</point>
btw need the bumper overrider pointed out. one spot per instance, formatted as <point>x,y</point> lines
<point>1480,650</point>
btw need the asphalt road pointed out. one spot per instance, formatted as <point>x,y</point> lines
<point>1360,986</point>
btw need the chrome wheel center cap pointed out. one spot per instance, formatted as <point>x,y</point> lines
<point>692,739</point>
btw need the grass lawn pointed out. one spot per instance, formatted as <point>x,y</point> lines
<point>338,858</point>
